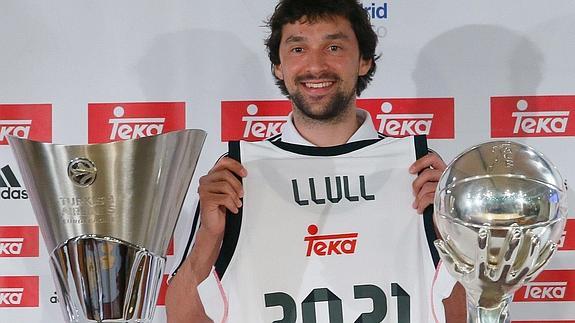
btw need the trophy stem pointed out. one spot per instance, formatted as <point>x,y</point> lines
<point>480,314</point>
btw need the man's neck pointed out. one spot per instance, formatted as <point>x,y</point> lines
<point>330,132</point>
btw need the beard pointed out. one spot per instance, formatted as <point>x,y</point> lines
<point>330,111</point>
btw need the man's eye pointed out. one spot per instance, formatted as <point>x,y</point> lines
<point>334,48</point>
<point>297,49</point>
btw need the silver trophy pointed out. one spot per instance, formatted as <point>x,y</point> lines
<point>500,208</point>
<point>107,213</point>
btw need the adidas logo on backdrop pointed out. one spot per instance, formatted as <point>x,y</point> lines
<point>10,188</point>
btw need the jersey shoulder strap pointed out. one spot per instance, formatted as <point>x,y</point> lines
<point>421,150</point>
<point>233,224</point>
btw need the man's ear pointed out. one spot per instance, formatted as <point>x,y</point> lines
<point>364,66</point>
<point>278,71</point>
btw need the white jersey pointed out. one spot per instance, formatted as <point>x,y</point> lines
<point>327,235</point>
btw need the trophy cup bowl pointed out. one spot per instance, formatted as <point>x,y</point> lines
<point>107,213</point>
<point>500,209</point>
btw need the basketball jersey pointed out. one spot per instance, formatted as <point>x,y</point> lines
<point>327,235</point>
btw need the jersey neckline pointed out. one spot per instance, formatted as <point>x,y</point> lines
<point>323,151</point>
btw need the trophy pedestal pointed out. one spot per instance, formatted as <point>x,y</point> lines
<point>106,280</point>
<point>479,314</point>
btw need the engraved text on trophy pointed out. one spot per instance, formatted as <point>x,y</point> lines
<point>503,154</point>
<point>80,210</point>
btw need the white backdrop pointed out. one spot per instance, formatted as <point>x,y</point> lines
<point>473,62</point>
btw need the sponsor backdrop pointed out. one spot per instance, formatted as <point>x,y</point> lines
<point>80,72</point>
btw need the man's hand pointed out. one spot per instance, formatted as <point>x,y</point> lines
<point>429,167</point>
<point>219,190</point>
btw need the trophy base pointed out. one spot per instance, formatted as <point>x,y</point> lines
<point>103,279</point>
<point>479,314</point>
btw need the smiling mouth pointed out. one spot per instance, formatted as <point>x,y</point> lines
<point>317,85</point>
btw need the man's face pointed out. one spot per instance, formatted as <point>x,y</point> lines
<point>320,64</point>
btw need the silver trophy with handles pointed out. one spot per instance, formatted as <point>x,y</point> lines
<point>107,213</point>
<point>500,208</point>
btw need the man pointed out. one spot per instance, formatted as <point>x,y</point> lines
<point>323,57</point>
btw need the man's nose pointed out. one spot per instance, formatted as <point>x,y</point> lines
<point>316,62</point>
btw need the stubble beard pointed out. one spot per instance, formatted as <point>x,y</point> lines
<point>332,111</point>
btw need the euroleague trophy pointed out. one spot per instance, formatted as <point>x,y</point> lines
<point>107,213</point>
<point>500,208</point>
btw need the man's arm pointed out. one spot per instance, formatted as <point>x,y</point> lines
<point>456,305</point>
<point>429,169</point>
<point>219,190</point>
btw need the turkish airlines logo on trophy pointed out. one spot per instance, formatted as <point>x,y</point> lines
<point>329,244</point>
<point>549,286</point>
<point>109,122</point>
<point>253,120</point>
<point>10,188</point>
<point>19,291</point>
<point>19,241</point>
<point>532,116</point>
<point>433,117</point>
<point>28,121</point>
<point>257,120</point>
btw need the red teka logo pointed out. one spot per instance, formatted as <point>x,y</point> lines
<point>257,120</point>
<point>331,244</point>
<point>253,120</point>
<point>532,116</point>
<point>433,117</point>
<point>19,291</point>
<point>19,241</point>
<point>29,121</point>
<point>549,286</point>
<point>109,122</point>
<point>162,294</point>
<point>568,238</point>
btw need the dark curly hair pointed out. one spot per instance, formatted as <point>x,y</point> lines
<point>290,11</point>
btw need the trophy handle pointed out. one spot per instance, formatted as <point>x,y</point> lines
<point>497,271</point>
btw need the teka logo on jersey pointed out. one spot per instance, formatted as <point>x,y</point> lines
<point>532,116</point>
<point>10,188</point>
<point>549,286</point>
<point>330,244</point>
<point>19,291</point>
<point>567,241</point>
<point>19,241</point>
<point>253,120</point>
<point>121,121</point>
<point>433,117</point>
<point>28,121</point>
